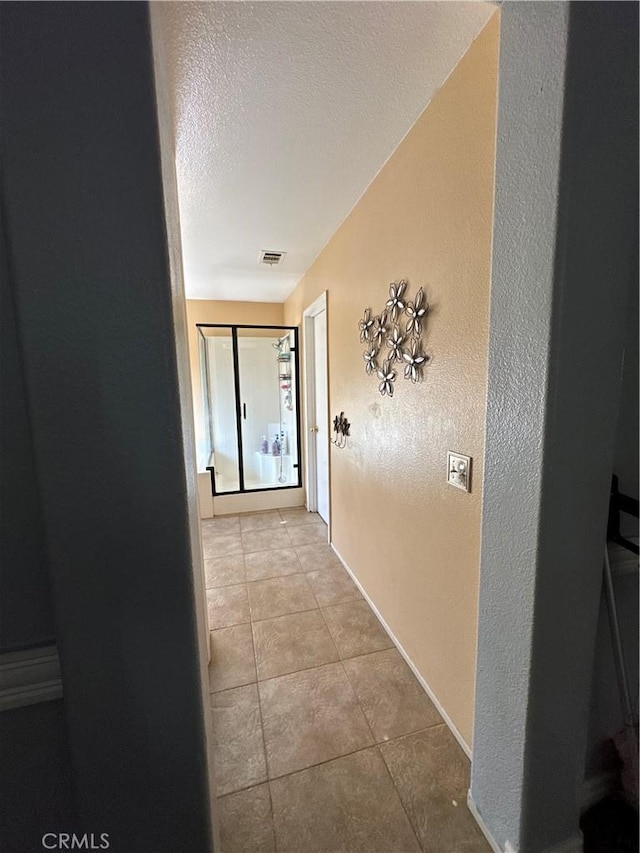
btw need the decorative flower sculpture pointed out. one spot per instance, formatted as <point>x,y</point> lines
<point>416,311</point>
<point>370,359</point>
<point>387,377</point>
<point>415,360</point>
<point>396,302</point>
<point>365,325</point>
<point>395,342</point>
<point>388,340</point>
<point>379,328</point>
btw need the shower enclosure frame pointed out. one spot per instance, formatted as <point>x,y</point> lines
<point>297,465</point>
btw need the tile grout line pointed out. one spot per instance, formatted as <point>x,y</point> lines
<point>282,615</point>
<point>247,582</point>
<point>377,748</point>
<point>340,659</point>
<point>329,760</point>
<point>360,654</point>
<point>264,740</point>
<point>393,781</point>
<point>266,619</point>
<point>301,770</point>
<point>346,675</point>
<point>352,690</point>
<point>322,763</point>
<point>375,742</point>
<point>335,645</point>
<point>320,665</point>
<point>395,788</point>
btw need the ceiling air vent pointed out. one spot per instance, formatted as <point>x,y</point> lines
<point>271,258</point>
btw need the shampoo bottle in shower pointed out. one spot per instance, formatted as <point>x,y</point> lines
<point>264,445</point>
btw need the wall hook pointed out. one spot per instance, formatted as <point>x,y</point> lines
<point>341,429</point>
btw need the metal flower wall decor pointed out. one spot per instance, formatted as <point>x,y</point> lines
<point>395,336</point>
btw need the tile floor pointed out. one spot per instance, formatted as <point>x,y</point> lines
<point>325,741</point>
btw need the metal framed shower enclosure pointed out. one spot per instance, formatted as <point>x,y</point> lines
<point>251,403</point>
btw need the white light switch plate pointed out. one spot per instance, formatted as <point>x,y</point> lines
<point>459,471</point>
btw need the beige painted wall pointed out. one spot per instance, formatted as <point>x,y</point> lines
<point>213,311</point>
<point>412,540</point>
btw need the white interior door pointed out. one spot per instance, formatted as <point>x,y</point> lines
<point>321,414</point>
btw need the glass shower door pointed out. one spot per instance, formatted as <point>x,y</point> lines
<point>220,407</point>
<point>266,371</point>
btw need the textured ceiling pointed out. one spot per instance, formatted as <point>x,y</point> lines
<point>284,112</point>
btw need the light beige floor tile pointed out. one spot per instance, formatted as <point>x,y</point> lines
<point>355,629</point>
<point>272,564</point>
<point>227,605</point>
<point>246,825</point>
<point>431,774</point>
<point>279,596</point>
<point>291,643</point>
<point>239,759</point>
<point>345,806</point>
<point>390,695</point>
<point>220,546</point>
<point>308,534</point>
<point>224,571</point>
<point>317,557</point>
<point>265,540</point>
<point>309,717</point>
<point>260,521</point>
<point>332,586</point>
<point>219,526</point>
<point>232,658</point>
<point>299,515</point>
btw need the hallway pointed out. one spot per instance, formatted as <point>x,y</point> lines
<point>325,741</point>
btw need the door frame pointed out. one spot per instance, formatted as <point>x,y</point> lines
<point>181,337</point>
<point>308,348</point>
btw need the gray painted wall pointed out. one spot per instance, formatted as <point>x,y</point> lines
<point>566,185</point>
<point>26,615</point>
<point>36,785</point>
<point>89,271</point>
<point>606,717</point>
<point>626,456</point>
<point>606,714</point>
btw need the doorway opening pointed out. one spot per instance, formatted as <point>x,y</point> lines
<point>317,408</point>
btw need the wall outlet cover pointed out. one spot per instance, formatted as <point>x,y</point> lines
<point>459,471</point>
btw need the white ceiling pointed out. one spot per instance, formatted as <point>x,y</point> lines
<point>284,113</point>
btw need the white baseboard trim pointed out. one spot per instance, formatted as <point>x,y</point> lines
<point>485,829</point>
<point>205,498</point>
<point>454,731</point>
<point>257,501</point>
<point>29,676</point>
